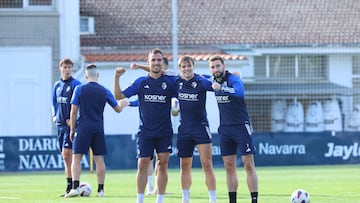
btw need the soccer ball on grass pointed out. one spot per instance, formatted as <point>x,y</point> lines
<point>300,196</point>
<point>84,189</point>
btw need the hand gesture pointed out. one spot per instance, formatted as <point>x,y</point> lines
<point>119,71</point>
<point>124,102</point>
<point>133,66</point>
<point>216,86</point>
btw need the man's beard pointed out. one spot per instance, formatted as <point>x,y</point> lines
<point>218,75</point>
<point>156,69</point>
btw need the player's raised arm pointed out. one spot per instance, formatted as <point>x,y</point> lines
<point>117,90</point>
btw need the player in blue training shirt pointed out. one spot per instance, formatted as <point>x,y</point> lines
<point>194,127</point>
<point>235,127</point>
<point>154,95</point>
<point>89,101</point>
<point>61,96</point>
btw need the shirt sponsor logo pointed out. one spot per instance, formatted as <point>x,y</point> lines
<point>155,98</point>
<point>62,100</point>
<point>188,97</point>
<point>222,99</point>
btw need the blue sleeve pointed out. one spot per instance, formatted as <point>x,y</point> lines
<point>134,103</point>
<point>75,97</point>
<point>236,87</point>
<point>110,98</point>
<point>133,89</point>
<point>54,102</point>
<point>206,84</point>
<point>172,81</point>
<point>206,76</point>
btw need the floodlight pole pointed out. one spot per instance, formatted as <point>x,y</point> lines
<point>174,35</point>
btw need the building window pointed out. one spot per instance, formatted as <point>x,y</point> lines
<point>87,25</point>
<point>290,67</point>
<point>26,3</point>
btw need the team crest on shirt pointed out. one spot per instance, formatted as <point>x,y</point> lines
<point>146,87</point>
<point>194,84</point>
<point>181,85</point>
<point>68,89</point>
<point>164,85</point>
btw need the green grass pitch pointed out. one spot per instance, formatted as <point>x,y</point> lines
<point>326,184</point>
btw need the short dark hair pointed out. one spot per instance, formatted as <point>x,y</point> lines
<point>66,61</point>
<point>90,66</point>
<point>215,58</point>
<point>166,61</point>
<point>186,58</point>
<point>156,51</point>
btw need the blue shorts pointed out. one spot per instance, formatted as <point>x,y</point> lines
<point>86,138</point>
<point>186,142</point>
<point>63,132</point>
<point>234,137</point>
<point>146,145</point>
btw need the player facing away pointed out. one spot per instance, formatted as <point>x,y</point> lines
<point>235,128</point>
<point>194,127</point>
<point>89,101</point>
<point>61,96</point>
<point>154,95</point>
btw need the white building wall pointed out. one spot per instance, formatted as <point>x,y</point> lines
<point>26,91</point>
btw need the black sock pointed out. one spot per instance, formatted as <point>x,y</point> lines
<point>76,184</point>
<point>254,196</point>
<point>100,187</point>
<point>232,197</point>
<point>69,184</point>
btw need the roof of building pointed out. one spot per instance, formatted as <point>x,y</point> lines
<point>96,57</point>
<point>203,22</point>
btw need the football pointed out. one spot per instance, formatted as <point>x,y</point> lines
<point>175,105</point>
<point>300,196</point>
<point>84,189</point>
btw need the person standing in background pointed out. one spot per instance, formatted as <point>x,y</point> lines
<point>89,101</point>
<point>235,128</point>
<point>61,96</point>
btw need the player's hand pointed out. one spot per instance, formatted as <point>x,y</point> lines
<point>72,135</point>
<point>216,86</point>
<point>68,122</point>
<point>133,66</point>
<point>119,71</point>
<point>124,102</point>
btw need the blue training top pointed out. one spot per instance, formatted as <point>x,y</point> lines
<point>91,99</point>
<point>154,97</point>
<point>61,96</point>
<point>231,101</point>
<point>192,99</point>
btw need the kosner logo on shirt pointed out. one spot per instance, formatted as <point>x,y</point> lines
<point>155,98</point>
<point>188,97</point>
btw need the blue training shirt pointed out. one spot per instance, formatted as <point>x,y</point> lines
<point>154,97</point>
<point>61,96</point>
<point>91,99</point>
<point>192,99</point>
<point>231,101</point>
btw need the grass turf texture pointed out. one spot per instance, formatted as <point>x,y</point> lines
<point>326,184</point>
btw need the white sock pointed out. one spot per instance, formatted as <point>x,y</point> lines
<point>159,198</point>
<point>186,195</point>
<point>150,183</point>
<point>140,198</point>
<point>212,195</point>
